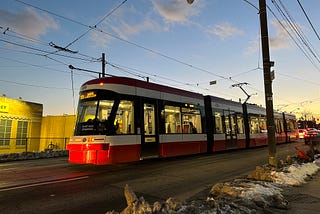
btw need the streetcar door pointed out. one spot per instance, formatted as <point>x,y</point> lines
<point>230,130</point>
<point>150,139</point>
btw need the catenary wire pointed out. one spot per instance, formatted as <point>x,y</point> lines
<point>306,15</point>
<point>141,46</point>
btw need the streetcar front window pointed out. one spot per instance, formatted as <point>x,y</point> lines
<point>105,117</point>
<point>87,111</point>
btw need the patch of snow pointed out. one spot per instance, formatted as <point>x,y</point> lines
<point>296,174</point>
<point>247,195</point>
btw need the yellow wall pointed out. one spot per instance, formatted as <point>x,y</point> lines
<point>56,130</point>
<point>19,110</point>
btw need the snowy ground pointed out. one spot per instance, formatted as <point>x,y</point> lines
<point>259,192</point>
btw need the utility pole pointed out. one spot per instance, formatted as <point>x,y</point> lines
<point>103,59</point>
<point>267,64</point>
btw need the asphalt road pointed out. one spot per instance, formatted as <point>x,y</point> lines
<point>55,186</point>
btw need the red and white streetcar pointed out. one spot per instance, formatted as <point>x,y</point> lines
<point>122,119</point>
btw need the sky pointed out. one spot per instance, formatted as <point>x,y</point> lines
<point>170,41</point>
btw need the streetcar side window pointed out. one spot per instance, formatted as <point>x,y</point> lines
<point>218,123</point>
<point>291,125</point>
<point>254,124</point>
<point>281,126</point>
<point>149,119</point>
<point>124,121</point>
<point>172,119</point>
<point>277,125</point>
<point>240,124</point>
<point>263,124</point>
<point>191,120</point>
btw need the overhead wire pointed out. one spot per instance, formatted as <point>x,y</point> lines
<point>132,43</point>
<point>296,29</point>
<point>306,15</point>
<point>300,33</point>
<point>127,41</point>
<point>156,78</point>
<point>37,41</point>
<point>135,44</point>
<point>43,51</point>
<point>90,27</point>
<point>305,46</point>
<point>31,85</point>
<point>302,49</point>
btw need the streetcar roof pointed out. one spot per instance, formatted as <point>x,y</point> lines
<point>140,84</point>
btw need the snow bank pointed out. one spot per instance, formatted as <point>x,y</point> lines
<point>260,191</point>
<point>296,174</point>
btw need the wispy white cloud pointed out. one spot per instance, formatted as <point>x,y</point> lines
<point>224,30</point>
<point>122,25</point>
<point>176,11</point>
<point>128,21</point>
<point>27,22</point>
<point>281,40</point>
<point>125,29</point>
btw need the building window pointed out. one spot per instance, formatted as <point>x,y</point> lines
<point>5,132</point>
<point>22,131</point>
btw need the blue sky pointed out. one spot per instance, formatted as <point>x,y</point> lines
<point>169,41</point>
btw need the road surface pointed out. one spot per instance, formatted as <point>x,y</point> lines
<point>55,186</point>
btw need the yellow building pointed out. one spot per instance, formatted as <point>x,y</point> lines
<point>20,125</point>
<point>24,129</point>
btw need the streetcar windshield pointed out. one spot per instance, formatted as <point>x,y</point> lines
<point>105,117</point>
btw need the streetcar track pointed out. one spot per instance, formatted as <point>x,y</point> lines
<point>43,183</point>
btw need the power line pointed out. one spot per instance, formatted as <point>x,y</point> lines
<point>127,41</point>
<point>30,39</point>
<point>52,13</point>
<point>295,28</point>
<point>302,49</point>
<point>90,28</point>
<point>255,7</point>
<point>306,15</point>
<point>30,85</point>
<point>42,51</point>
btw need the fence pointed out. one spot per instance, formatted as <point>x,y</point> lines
<point>12,149</point>
<point>18,145</point>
